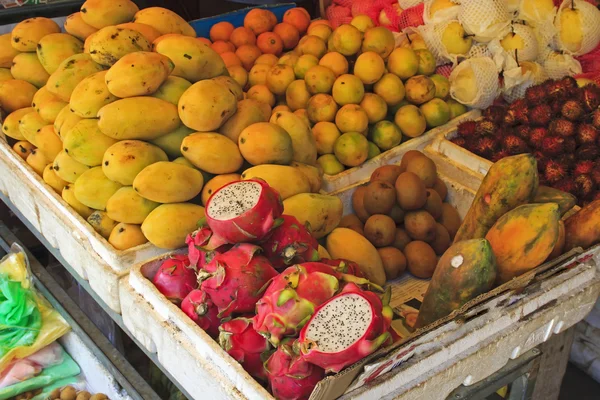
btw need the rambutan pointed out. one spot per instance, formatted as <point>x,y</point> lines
<point>556,90</point>
<point>459,141</point>
<point>568,160</point>
<point>572,110</point>
<point>541,159</point>
<point>585,186</point>
<point>587,152</point>
<point>553,145</point>
<point>596,119</point>
<point>540,115</point>
<point>595,174</point>
<point>494,113</point>
<point>536,136</point>
<point>590,96</point>
<point>554,171</point>
<point>586,134</point>
<point>596,196</point>
<point>566,185</point>
<point>485,147</point>
<point>556,106</point>
<point>568,82</point>
<point>562,127</point>
<point>499,155</point>
<point>514,145</point>
<point>536,94</point>
<point>523,131</point>
<point>570,145</point>
<point>466,129</point>
<point>518,104</point>
<point>485,127</point>
<point>510,117</point>
<point>583,167</point>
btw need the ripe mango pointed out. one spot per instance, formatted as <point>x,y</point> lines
<point>49,142</point>
<point>171,142</point>
<point>193,59</point>
<point>10,127</point>
<point>172,89</point>
<point>217,183</point>
<point>70,72</point>
<point>7,52</point>
<point>53,180</point>
<point>49,110</point>
<point>90,95</point>
<point>125,159</point>
<point>126,205</point>
<point>138,74</point>
<point>126,236</point>
<point>42,96</point>
<point>37,161</point>
<point>206,105</point>
<point>5,74</point>
<point>29,126</point>
<point>168,224</point>
<point>65,120</point>
<point>23,149</point>
<point>303,141</point>
<point>102,223</point>
<point>347,244</point>
<point>248,112</point>
<point>232,85</point>
<point>68,195</point>
<point>67,168</point>
<point>76,26</point>
<point>101,13</point>
<point>86,143</point>
<point>55,48</point>
<point>138,118</point>
<point>109,44</point>
<point>582,229</point>
<point>288,181</point>
<point>93,188</point>
<point>565,201</point>
<point>27,67</point>
<point>212,152</point>
<point>149,32</point>
<point>322,212</point>
<point>16,94</point>
<point>165,21</point>
<point>168,182</point>
<point>266,143</point>
<point>27,33</point>
<point>312,173</point>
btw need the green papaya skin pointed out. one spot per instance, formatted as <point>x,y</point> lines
<point>566,201</point>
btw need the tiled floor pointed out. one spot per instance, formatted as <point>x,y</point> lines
<point>578,386</point>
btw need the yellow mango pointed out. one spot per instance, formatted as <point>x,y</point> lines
<point>312,173</point>
<point>53,49</point>
<point>168,182</point>
<point>101,13</point>
<point>16,94</point>
<point>172,89</point>
<point>232,85</point>
<point>303,141</point>
<point>23,149</point>
<point>30,125</point>
<point>93,188</point>
<point>266,143</point>
<point>217,183</point>
<point>212,152</point>
<point>7,52</point>
<point>69,197</point>
<point>125,159</point>
<point>288,181</point>
<point>109,44</point>
<point>165,21</point>
<point>76,26</point>
<point>70,72</point>
<point>143,118</point>
<point>37,161</point>
<point>126,236</point>
<point>49,142</point>
<point>322,212</point>
<point>248,112</point>
<point>193,59</point>
<point>10,127</point>
<point>27,67</point>
<point>27,33</point>
<point>65,120</point>
<point>42,96</point>
<point>90,95</point>
<point>67,168</point>
<point>49,110</point>
<point>149,32</point>
<point>206,105</point>
<point>323,253</point>
<point>53,180</point>
<point>138,74</point>
<point>184,161</point>
<point>171,142</point>
<point>126,205</point>
<point>168,224</point>
<point>102,223</point>
<point>86,143</point>
<point>5,74</point>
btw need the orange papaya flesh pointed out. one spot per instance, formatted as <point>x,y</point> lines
<point>523,238</point>
<point>509,183</point>
<point>559,247</point>
<point>466,270</point>
<point>565,201</point>
<point>582,229</point>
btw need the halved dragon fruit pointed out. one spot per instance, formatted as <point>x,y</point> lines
<point>234,279</point>
<point>200,308</point>
<point>198,247</point>
<point>344,266</point>
<point>242,212</point>
<point>290,243</point>
<point>245,345</point>
<point>290,376</point>
<point>345,329</point>
<point>175,279</point>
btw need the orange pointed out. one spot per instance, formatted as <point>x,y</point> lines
<point>222,47</point>
<point>288,33</point>
<point>298,17</point>
<point>248,54</point>
<point>259,20</point>
<point>241,36</point>
<point>221,31</point>
<point>205,41</point>
<point>321,30</point>
<point>269,43</point>
<point>319,22</point>
<point>312,45</point>
<point>269,59</point>
<point>261,93</point>
<point>230,59</point>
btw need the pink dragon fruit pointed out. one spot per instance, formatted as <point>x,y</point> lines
<point>290,243</point>
<point>200,308</point>
<point>198,242</point>
<point>233,280</point>
<point>241,341</point>
<point>290,376</point>
<point>175,279</point>
<point>242,212</point>
<point>344,266</point>
<point>345,329</point>
<point>292,297</point>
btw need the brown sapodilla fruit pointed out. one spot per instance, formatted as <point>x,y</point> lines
<point>411,192</point>
<point>379,198</point>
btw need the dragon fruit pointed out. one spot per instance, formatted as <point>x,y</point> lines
<point>175,279</point>
<point>233,280</point>
<point>345,329</point>
<point>242,212</point>
<point>290,376</point>
<point>292,297</point>
<point>344,266</point>
<point>198,251</point>
<point>202,311</point>
<point>245,345</point>
<point>290,243</point>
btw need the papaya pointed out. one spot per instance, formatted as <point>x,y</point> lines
<point>53,49</point>
<point>67,168</point>
<point>582,229</point>
<point>90,95</point>
<point>523,238</point>
<point>248,112</point>
<point>125,236</point>
<point>344,243</point>
<point>101,13</point>
<point>102,223</point>
<point>303,141</point>
<point>168,224</point>
<point>16,94</point>
<point>70,72</point>
<point>49,142</point>
<point>138,74</point>
<point>206,105</point>
<point>559,247</point>
<point>10,127</point>
<point>27,33</point>
<point>53,180</point>
<point>165,21</point>
<point>566,201</point>
<point>286,180</point>
<point>109,44</point>
<point>172,89</point>
<point>86,143</point>
<point>171,142</point>
<point>76,26</point>
<point>168,182</point>
<point>266,143</point>
<point>68,196</point>
<point>7,52</point>
<point>125,159</point>
<point>509,183</point>
<point>212,152</point>
<point>128,206</point>
<point>150,33</point>
<point>466,270</point>
<point>27,67</point>
<point>93,188</point>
